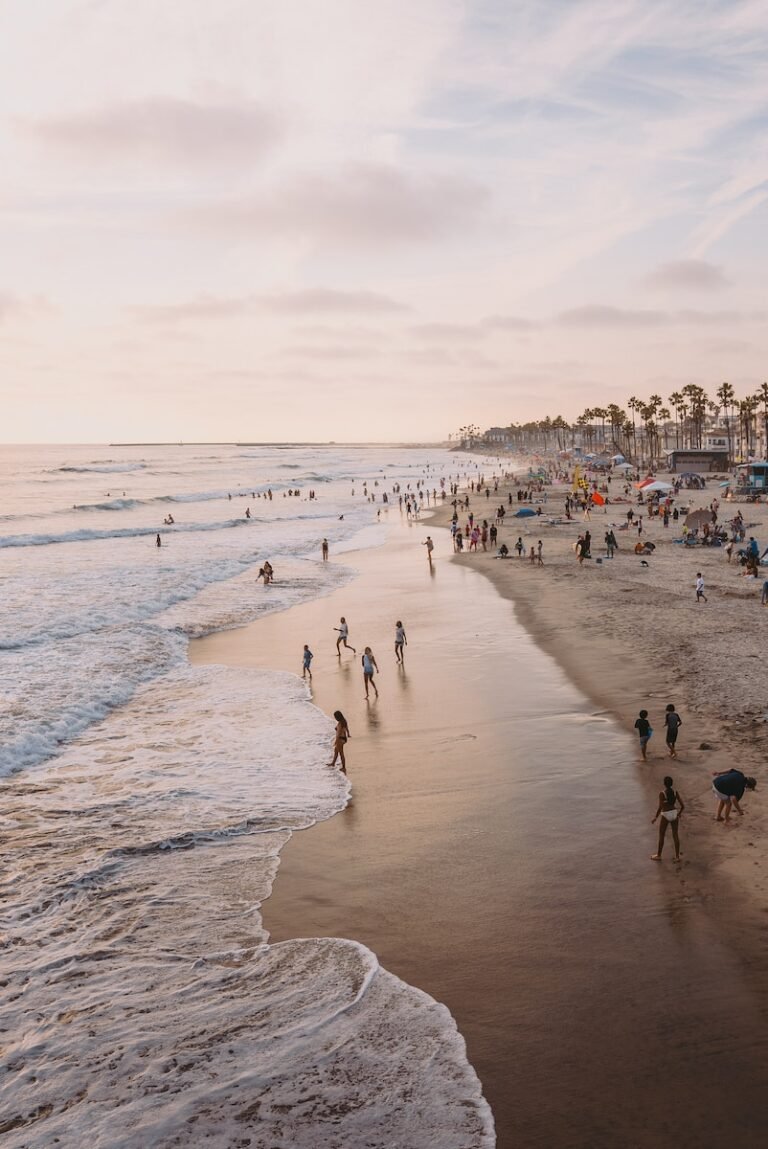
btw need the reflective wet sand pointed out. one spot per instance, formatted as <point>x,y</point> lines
<point>496,854</point>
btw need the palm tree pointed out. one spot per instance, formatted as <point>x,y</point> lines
<point>678,402</point>
<point>697,397</point>
<point>727,397</point>
<point>762,397</point>
<point>634,405</point>
<point>747,409</point>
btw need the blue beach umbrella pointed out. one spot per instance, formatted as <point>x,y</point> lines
<point>524,513</point>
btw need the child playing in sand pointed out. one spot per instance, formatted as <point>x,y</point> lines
<point>670,815</point>
<point>700,587</point>
<point>643,728</point>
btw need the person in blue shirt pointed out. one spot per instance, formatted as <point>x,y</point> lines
<point>728,787</point>
<point>306,663</point>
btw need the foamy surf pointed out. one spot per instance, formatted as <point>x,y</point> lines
<point>145,807</point>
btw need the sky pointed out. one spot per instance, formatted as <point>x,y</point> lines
<point>312,220</point>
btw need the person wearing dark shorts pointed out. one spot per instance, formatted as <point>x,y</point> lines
<point>672,722</point>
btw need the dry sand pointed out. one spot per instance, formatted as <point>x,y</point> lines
<point>633,636</point>
<point>496,851</point>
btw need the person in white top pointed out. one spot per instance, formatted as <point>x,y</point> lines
<point>343,630</point>
<point>700,587</point>
<point>400,641</point>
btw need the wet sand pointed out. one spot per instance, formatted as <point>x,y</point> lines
<point>496,854</point>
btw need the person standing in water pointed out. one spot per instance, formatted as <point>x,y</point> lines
<point>158,541</point>
<point>370,667</point>
<point>343,630</point>
<point>669,799</point>
<point>400,641</point>
<point>306,663</point>
<point>340,739</point>
<point>325,550</point>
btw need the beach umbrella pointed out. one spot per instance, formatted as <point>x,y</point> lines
<point>524,513</point>
<point>623,467</point>
<point>698,518</point>
<point>659,485</point>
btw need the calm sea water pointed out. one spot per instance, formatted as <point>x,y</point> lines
<point>139,1009</point>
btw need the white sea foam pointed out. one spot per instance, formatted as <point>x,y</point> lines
<point>145,810</point>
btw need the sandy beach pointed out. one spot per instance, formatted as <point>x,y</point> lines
<point>632,635</point>
<point>495,852</point>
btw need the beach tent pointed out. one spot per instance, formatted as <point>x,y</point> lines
<point>623,467</point>
<point>524,513</point>
<point>617,458</point>
<point>659,485</point>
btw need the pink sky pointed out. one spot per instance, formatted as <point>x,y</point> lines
<point>334,220</point>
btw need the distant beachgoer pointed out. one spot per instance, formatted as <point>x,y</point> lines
<point>247,512</point>
<point>430,547</point>
<point>672,722</point>
<point>729,550</point>
<point>700,587</point>
<point>532,555</point>
<point>400,641</point>
<point>158,541</point>
<point>669,799</point>
<point>519,547</point>
<point>503,551</point>
<point>728,788</point>
<point>764,595</point>
<point>644,730</point>
<point>340,739</point>
<point>306,663</point>
<point>539,548</point>
<point>325,550</point>
<point>370,667</point>
<point>343,630</point>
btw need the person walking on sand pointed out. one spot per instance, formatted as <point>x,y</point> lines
<point>643,728</point>
<point>672,722</point>
<point>306,663</point>
<point>325,550</point>
<point>400,642</point>
<point>519,547</point>
<point>539,548</point>
<point>340,738</point>
<point>370,667</point>
<point>430,547</point>
<point>728,787</point>
<point>700,587</point>
<point>669,799</point>
<point>343,631</point>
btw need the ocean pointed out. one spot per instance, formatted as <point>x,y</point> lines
<point>145,803</point>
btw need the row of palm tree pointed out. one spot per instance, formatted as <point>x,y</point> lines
<point>648,427</point>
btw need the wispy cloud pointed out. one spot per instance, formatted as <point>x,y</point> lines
<point>162,130</point>
<point>326,301</point>
<point>360,204</point>
<point>688,275</point>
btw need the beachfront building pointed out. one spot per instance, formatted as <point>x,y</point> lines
<point>699,461</point>
<point>754,475</point>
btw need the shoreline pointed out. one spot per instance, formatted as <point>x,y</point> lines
<point>436,831</point>
<point>628,636</point>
